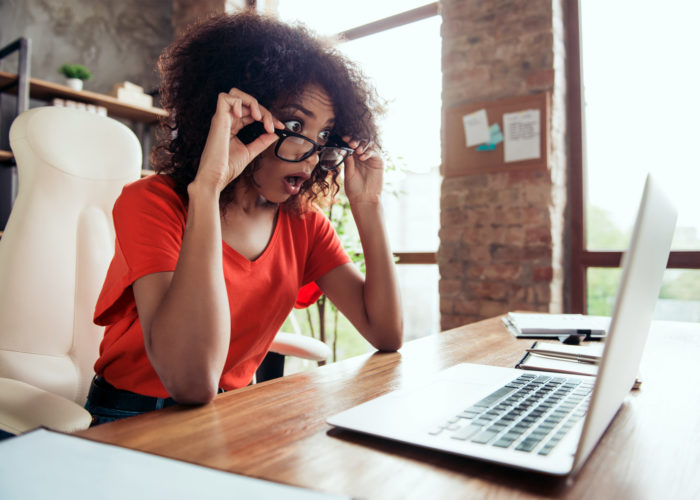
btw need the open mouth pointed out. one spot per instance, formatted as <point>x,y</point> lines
<point>293,180</point>
<point>293,183</point>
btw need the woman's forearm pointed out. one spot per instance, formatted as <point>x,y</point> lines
<point>381,294</point>
<point>188,336</point>
<point>190,331</point>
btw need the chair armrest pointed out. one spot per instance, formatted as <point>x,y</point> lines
<point>24,407</point>
<point>301,346</point>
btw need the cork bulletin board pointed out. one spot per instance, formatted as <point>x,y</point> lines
<point>461,159</point>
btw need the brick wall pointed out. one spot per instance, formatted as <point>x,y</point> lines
<point>502,234</point>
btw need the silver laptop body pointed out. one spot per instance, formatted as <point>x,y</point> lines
<point>410,415</point>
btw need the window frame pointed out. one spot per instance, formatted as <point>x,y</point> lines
<point>378,26</point>
<point>397,20</point>
<point>581,259</point>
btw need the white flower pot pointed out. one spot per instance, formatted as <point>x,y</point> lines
<point>75,83</point>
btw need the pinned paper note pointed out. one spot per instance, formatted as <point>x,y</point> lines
<point>476,128</point>
<point>495,138</point>
<point>496,134</point>
<point>522,135</point>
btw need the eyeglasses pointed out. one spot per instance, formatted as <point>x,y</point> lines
<point>295,147</point>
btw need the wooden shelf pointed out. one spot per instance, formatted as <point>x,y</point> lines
<point>43,90</point>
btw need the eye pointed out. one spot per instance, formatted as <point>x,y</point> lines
<point>324,136</point>
<point>294,126</point>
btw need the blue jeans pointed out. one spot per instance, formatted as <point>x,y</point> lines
<point>102,414</point>
<point>106,403</point>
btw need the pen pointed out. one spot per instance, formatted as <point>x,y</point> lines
<point>591,360</point>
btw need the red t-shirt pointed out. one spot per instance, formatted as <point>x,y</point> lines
<point>149,219</point>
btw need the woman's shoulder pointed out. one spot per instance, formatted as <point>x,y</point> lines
<point>151,184</point>
<point>149,189</point>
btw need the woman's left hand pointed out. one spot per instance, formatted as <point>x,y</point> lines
<point>364,171</point>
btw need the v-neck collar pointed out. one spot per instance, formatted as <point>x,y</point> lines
<point>244,261</point>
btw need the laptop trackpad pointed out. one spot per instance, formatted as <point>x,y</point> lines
<point>423,406</point>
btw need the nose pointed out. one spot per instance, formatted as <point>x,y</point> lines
<point>312,160</point>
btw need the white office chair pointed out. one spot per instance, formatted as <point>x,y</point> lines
<point>297,344</point>
<point>54,254</point>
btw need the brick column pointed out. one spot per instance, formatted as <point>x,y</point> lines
<point>502,234</point>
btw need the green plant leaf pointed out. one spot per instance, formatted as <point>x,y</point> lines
<point>75,71</point>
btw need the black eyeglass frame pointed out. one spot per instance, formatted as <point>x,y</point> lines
<point>283,134</point>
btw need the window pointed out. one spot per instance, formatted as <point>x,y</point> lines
<point>403,62</point>
<point>330,18</point>
<point>638,83</point>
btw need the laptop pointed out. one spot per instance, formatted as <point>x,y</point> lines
<point>540,421</point>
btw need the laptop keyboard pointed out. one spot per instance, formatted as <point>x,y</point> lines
<point>530,413</point>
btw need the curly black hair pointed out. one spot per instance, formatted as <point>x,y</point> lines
<point>268,59</point>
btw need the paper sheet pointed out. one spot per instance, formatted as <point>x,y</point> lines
<point>476,128</point>
<point>521,135</point>
<point>46,464</point>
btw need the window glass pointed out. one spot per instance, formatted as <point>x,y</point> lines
<point>420,297</point>
<point>330,18</point>
<point>640,83</point>
<point>404,64</point>
<point>679,299</point>
<point>411,84</point>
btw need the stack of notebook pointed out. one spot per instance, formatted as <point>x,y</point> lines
<point>534,325</point>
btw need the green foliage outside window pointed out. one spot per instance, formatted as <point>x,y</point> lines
<point>602,284</point>
<point>685,286</point>
<point>602,233</point>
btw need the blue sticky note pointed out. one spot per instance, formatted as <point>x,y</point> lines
<point>496,134</point>
<point>495,138</point>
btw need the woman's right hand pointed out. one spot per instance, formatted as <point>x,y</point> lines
<point>225,156</point>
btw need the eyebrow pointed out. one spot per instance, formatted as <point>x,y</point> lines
<point>305,111</point>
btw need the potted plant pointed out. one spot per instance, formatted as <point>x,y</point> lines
<point>75,75</point>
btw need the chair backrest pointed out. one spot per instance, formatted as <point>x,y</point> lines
<point>58,243</point>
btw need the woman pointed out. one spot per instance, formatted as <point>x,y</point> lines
<point>185,319</point>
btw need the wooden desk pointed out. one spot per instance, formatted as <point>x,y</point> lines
<point>276,430</point>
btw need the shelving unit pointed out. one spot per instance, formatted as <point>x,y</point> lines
<point>43,90</point>
<point>25,88</point>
